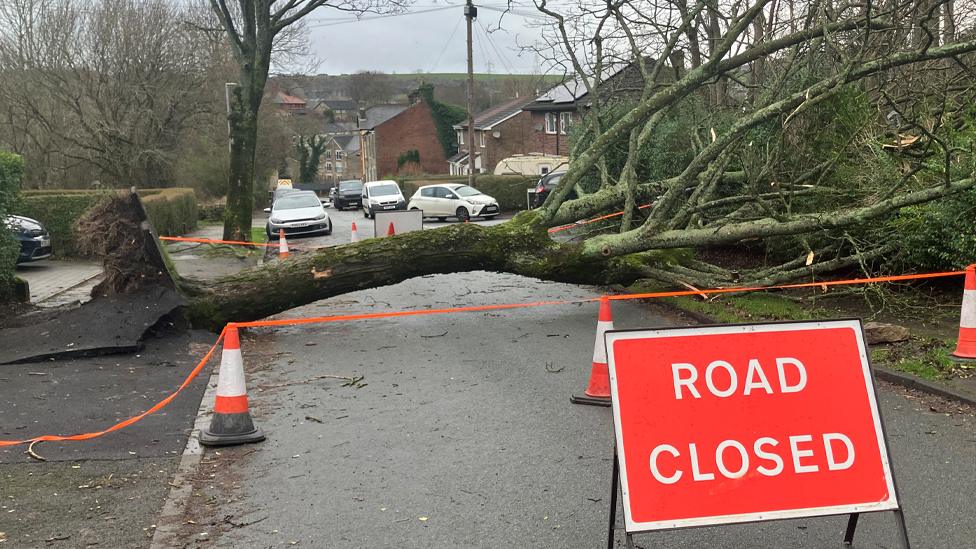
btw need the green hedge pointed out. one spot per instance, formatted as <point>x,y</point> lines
<point>172,211</point>
<point>11,172</point>
<point>509,190</point>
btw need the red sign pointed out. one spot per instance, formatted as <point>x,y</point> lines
<point>724,424</point>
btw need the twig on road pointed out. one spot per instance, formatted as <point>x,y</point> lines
<point>349,382</point>
<point>30,451</point>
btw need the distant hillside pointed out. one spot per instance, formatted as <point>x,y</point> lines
<point>373,88</point>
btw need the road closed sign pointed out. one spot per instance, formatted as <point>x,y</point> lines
<point>726,424</point>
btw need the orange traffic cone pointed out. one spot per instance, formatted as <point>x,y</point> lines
<point>966,346</point>
<point>598,391</point>
<point>355,233</point>
<point>231,423</point>
<point>390,231</point>
<point>282,244</point>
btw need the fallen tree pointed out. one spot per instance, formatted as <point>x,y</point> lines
<point>808,134</point>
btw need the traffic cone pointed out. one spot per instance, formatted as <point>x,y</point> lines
<point>598,391</point>
<point>282,244</point>
<point>390,231</point>
<point>231,423</point>
<point>966,346</point>
<point>355,233</point>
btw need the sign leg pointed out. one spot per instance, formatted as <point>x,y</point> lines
<point>851,526</point>
<point>630,541</point>
<point>903,529</point>
<point>613,499</point>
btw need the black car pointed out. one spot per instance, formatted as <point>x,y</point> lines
<point>35,242</point>
<point>545,186</point>
<point>348,193</point>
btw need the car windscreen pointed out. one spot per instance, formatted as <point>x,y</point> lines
<point>350,186</point>
<point>465,190</point>
<point>383,190</point>
<point>292,201</point>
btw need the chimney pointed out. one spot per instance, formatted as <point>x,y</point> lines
<point>362,119</point>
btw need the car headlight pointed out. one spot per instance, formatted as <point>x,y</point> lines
<point>275,220</point>
<point>321,217</point>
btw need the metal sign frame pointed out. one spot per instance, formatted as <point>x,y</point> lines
<point>619,474</point>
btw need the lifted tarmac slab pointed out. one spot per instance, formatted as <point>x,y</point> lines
<point>102,326</point>
<point>90,394</point>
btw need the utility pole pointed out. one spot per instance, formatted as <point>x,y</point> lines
<point>470,12</point>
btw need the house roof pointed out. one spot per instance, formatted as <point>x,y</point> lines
<point>340,104</point>
<point>348,143</point>
<point>379,114</point>
<point>340,128</point>
<point>569,95</point>
<point>282,98</point>
<point>486,120</point>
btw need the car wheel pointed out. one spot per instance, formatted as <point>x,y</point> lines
<point>366,215</point>
<point>462,214</point>
<point>327,232</point>
<point>272,236</point>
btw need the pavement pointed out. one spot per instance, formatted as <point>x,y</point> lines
<point>461,434</point>
<point>55,283</point>
<point>107,491</point>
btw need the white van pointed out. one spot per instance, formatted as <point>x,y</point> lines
<point>382,196</point>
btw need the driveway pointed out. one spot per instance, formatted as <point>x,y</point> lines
<point>53,283</point>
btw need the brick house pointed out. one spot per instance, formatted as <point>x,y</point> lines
<point>499,132</point>
<point>288,103</point>
<point>340,159</point>
<point>389,132</point>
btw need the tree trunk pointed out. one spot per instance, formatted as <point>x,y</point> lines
<point>245,104</point>
<point>519,246</point>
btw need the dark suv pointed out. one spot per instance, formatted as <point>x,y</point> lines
<point>348,193</point>
<point>545,186</point>
<point>35,242</point>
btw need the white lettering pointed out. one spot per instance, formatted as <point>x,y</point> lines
<point>657,472</point>
<point>720,459</point>
<point>829,449</point>
<point>756,370</point>
<point>695,471</point>
<point>688,382</point>
<point>710,378</point>
<point>762,454</point>
<point>799,454</point>
<point>801,373</point>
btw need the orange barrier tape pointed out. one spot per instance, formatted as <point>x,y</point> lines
<point>122,424</point>
<point>211,241</point>
<point>594,220</point>
<point>395,314</point>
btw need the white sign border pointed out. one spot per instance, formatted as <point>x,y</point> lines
<point>631,527</point>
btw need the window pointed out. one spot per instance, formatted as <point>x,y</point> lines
<point>328,165</point>
<point>565,121</point>
<point>551,122</point>
<point>481,139</point>
<point>339,166</point>
<point>427,192</point>
<point>328,153</point>
<point>543,170</point>
<point>338,155</point>
<point>441,192</point>
<point>460,135</point>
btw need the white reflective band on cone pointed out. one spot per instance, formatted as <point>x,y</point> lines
<point>599,348</point>
<point>968,317</point>
<point>231,378</point>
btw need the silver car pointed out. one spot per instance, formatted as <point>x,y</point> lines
<point>298,213</point>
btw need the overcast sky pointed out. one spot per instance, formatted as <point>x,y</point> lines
<point>425,40</point>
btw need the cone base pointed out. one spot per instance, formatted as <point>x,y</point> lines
<point>589,400</point>
<point>962,357</point>
<point>219,439</point>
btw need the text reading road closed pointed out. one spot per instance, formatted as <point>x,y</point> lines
<point>731,423</point>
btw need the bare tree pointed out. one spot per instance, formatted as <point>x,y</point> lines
<point>370,87</point>
<point>252,27</point>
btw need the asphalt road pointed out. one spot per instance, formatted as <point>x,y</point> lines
<point>342,227</point>
<point>461,434</point>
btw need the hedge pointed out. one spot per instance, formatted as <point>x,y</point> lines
<point>11,172</point>
<point>509,190</point>
<point>172,211</point>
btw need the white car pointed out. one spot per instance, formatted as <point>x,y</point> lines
<point>453,200</point>
<point>298,213</point>
<point>381,196</point>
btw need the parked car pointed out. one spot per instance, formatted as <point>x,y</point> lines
<point>545,186</point>
<point>298,213</point>
<point>35,241</point>
<point>382,195</point>
<point>282,191</point>
<point>347,193</point>
<point>453,200</point>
